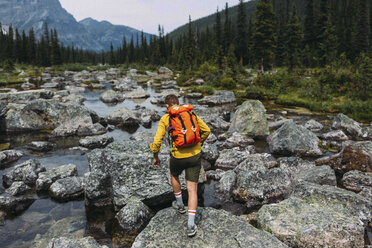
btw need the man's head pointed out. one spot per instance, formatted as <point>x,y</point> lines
<point>171,100</point>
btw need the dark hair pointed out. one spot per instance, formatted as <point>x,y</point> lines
<point>171,100</point>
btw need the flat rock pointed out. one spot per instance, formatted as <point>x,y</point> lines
<point>134,215</point>
<point>353,156</point>
<point>216,228</point>
<point>26,172</point>
<point>147,116</point>
<point>123,117</point>
<point>41,146</point>
<point>136,94</point>
<point>336,135</point>
<point>215,174</point>
<point>93,142</point>
<point>17,188</point>
<point>194,95</point>
<point>236,140</point>
<point>294,165</point>
<point>291,139</point>
<point>218,98</point>
<point>323,175</point>
<point>318,216</point>
<point>160,97</point>
<point>46,178</point>
<point>26,96</point>
<point>9,156</point>
<point>230,158</point>
<point>313,126</point>
<point>68,188</point>
<point>64,242</point>
<point>250,119</point>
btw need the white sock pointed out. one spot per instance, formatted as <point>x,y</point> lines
<point>191,220</point>
<point>179,198</point>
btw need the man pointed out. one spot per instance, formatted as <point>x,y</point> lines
<point>182,158</point>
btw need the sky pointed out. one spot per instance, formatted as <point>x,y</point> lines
<point>144,14</point>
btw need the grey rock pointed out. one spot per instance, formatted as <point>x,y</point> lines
<point>144,136</point>
<point>79,128</point>
<point>367,130</point>
<point>215,174</point>
<point>168,229</point>
<point>337,135</point>
<point>160,98</point>
<point>211,139</point>
<point>41,146</point>
<point>230,158</point>
<point>126,85</point>
<point>48,177</point>
<point>123,117</point>
<point>51,85</point>
<point>323,175</point>
<point>294,165</point>
<point>97,86</point>
<point>216,123</point>
<point>169,84</point>
<point>291,139</point>
<point>15,205</point>
<point>151,74</point>
<point>224,187</point>
<point>3,110</point>
<point>353,156</point>
<point>194,95</point>
<point>210,153</point>
<point>147,116</point>
<point>165,70</point>
<point>257,188</point>
<point>250,119</point>
<point>93,142</point>
<point>111,96</point>
<point>357,181</point>
<point>27,172</point>
<point>9,156</point>
<point>122,170</point>
<point>348,125</point>
<point>218,98</point>
<point>64,242</point>
<point>236,140</point>
<point>134,215</point>
<point>75,89</point>
<point>277,124</point>
<point>17,188</point>
<point>25,96</point>
<point>313,125</point>
<point>28,85</point>
<point>256,162</point>
<point>136,94</point>
<point>318,216</point>
<point>68,188</point>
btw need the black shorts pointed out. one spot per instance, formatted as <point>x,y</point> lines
<point>191,165</point>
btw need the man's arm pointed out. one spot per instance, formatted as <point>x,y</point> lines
<point>205,130</point>
<point>158,139</point>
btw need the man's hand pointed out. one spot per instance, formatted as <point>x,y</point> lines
<point>156,161</point>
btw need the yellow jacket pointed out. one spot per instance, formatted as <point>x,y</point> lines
<point>185,152</point>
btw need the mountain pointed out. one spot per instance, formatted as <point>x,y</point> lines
<point>250,6</point>
<point>87,34</point>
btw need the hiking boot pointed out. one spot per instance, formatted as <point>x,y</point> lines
<point>191,230</point>
<point>180,209</point>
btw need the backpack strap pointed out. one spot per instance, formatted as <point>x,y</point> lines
<point>193,125</point>
<point>183,126</point>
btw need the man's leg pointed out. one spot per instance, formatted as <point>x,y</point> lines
<point>176,185</point>
<point>192,189</point>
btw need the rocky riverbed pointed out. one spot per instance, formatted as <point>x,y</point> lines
<point>76,169</point>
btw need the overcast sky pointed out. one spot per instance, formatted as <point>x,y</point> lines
<point>144,14</point>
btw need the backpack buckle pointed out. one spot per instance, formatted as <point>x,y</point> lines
<point>193,129</point>
<point>184,131</point>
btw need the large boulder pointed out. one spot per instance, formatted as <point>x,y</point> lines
<point>294,165</point>
<point>123,117</point>
<point>146,116</point>
<point>68,118</point>
<point>291,139</point>
<point>134,215</point>
<point>230,158</point>
<point>353,156</point>
<point>236,140</point>
<point>323,175</point>
<point>218,98</point>
<point>68,188</point>
<point>313,125</point>
<point>348,125</point>
<point>111,96</point>
<point>26,172</point>
<point>318,216</point>
<point>123,170</point>
<point>224,187</point>
<point>17,188</point>
<point>96,141</point>
<point>216,228</point>
<point>250,119</point>
<point>25,96</point>
<point>210,153</point>
<point>160,97</point>
<point>9,156</point>
<point>336,135</point>
<point>47,178</point>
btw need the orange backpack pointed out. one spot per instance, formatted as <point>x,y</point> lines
<point>183,126</point>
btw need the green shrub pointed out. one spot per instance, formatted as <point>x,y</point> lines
<point>207,71</point>
<point>205,89</point>
<point>228,83</point>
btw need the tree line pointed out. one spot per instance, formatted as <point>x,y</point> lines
<point>329,31</point>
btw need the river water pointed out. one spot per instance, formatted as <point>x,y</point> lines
<point>46,218</point>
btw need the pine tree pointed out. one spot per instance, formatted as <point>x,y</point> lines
<point>227,35</point>
<point>31,48</point>
<point>18,47</point>
<point>328,45</point>
<point>112,56</point>
<point>295,39</point>
<point>365,71</point>
<point>55,49</point>
<point>264,35</point>
<point>241,38</point>
<point>281,51</point>
<point>363,29</point>
<point>190,45</point>
<point>24,57</point>
<point>309,26</point>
